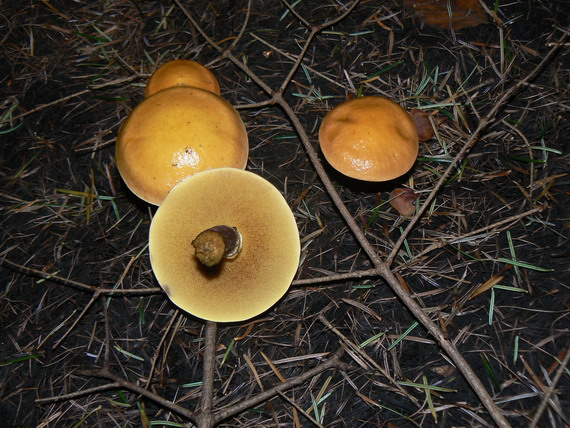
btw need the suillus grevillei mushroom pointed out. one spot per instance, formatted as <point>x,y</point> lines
<point>369,138</point>
<point>241,220</point>
<point>174,134</point>
<point>182,72</point>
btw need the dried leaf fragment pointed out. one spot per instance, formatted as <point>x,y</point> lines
<point>486,286</point>
<point>423,124</point>
<point>402,199</point>
<point>444,371</point>
<point>455,14</point>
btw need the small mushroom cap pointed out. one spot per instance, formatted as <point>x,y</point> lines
<point>369,138</point>
<point>175,133</point>
<point>182,72</point>
<point>239,288</point>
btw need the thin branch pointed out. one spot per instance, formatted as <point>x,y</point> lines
<point>243,27</point>
<point>107,353</point>
<point>77,319</point>
<point>79,285</point>
<point>327,183</point>
<point>300,409</point>
<point>447,345</point>
<point>473,139</point>
<point>225,53</point>
<point>205,418</point>
<point>337,277</point>
<point>156,354</point>
<point>333,362</point>
<point>77,394</point>
<point>365,356</point>
<point>314,31</point>
<point>69,97</point>
<point>550,391</point>
<point>120,383</point>
<point>442,242</point>
<point>296,15</point>
<point>294,58</point>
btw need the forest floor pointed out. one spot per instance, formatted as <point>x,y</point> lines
<point>380,303</point>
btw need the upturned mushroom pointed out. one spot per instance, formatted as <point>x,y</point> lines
<point>369,138</point>
<point>224,245</point>
<point>174,134</point>
<point>182,72</point>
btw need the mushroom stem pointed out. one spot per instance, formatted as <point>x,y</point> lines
<point>217,243</point>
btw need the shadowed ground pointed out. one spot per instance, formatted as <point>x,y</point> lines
<point>487,261</point>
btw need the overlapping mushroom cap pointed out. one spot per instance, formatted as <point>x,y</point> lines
<point>182,72</point>
<point>369,138</point>
<point>174,134</point>
<point>247,284</point>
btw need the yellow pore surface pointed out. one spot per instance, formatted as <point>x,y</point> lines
<point>240,288</point>
<point>369,138</point>
<point>174,134</point>
<point>182,72</point>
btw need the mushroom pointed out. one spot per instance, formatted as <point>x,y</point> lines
<point>217,243</point>
<point>182,72</point>
<point>369,138</point>
<point>262,248</point>
<point>175,133</point>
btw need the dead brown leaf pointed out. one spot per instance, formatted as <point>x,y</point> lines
<point>455,14</point>
<point>423,123</point>
<point>403,200</point>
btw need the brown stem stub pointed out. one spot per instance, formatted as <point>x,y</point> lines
<point>217,243</point>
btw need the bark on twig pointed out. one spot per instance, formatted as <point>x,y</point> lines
<point>333,362</point>
<point>205,416</point>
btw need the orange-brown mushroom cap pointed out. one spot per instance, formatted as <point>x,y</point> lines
<point>239,288</point>
<point>182,72</point>
<point>369,138</point>
<point>174,134</point>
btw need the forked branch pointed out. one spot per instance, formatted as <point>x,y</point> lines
<point>383,266</point>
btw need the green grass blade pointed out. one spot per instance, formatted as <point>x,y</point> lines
<point>426,386</point>
<point>403,335</point>
<point>523,265</point>
<point>490,371</point>
<point>19,359</point>
<point>128,354</point>
<point>227,354</point>
<point>80,422</point>
<point>491,307</point>
<point>371,339</point>
<point>166,424</point>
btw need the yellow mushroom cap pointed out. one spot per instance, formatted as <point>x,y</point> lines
<point>174,134</point>
<point>239,288</point>
<point>369,138</point>
<point>182,72</point>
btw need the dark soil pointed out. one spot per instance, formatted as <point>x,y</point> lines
<point>71,73</point>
